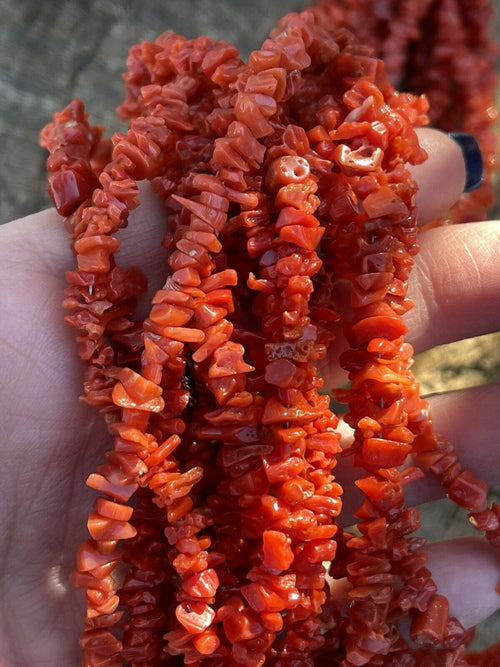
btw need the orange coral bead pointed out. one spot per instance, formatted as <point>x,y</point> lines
<point>285,170</point>
<point>376,327</point>
<point>202,584</point>
<point>206,642</point>
<point>275,412</point>
<point>135,385</point>
<point>89,557</point>
<point>104,528</point>
<point>68,189</point>
<point>111,510</point>
<point>429,627</point>
<point>277,552</point>
<point>299,195</point>
<point>262,598</point>
<point>94,251</point>
<point>469,491</point>
<point>382,453</point>
<point>228,360</point>
<point>194,616</point>
<point>120,492</point>
<point>280,372</point>
<point>171,315</point>
<point>101,606</point>
<point>305,237</point>
<point>384,201</point>
<point>164,450</point>
<point>102,640</point>
<point>123,399</point>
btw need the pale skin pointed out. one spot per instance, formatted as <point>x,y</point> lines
<point>50,442</point>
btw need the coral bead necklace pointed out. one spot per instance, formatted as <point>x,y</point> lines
<point>215,538</point>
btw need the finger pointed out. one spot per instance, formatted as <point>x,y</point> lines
<point>470,419</point>
<point>42,240</point>
<point>441,178</point>
<point>38,239</point>
<point>445,166</point>
<point>467,571</point>
<point>141,240</point>
<point>456,416</point>
<point>455,284</point>
<point>141,244</point>
<point>455,288</point>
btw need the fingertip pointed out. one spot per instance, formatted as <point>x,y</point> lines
<point>441,178</point>
<point>466,570</point>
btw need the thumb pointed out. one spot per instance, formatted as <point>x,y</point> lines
<point>442,177</point>
<point>441,180</point>
<point>467,571</point>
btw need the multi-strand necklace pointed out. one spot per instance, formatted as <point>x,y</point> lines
<point>215,539</point>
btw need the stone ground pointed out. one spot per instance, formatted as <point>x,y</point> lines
<point>53,51</point>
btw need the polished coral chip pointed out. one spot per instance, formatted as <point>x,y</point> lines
<point>194,616</point>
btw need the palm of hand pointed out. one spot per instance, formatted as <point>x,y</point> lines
<point>49,444</point>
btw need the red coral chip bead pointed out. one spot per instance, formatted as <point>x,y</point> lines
<point>102,528</point>
<point>89,557</point>
<point>104,621</point>
<point>238,625</point>
<point>194,616</point>
<point>123,399</point>
<point>272,620</point>
<point>228,360</point>
<point>121,492</point>
<point>320,551</point>
<point>91,659</point>
<point>68,189</point>
<point>170,314</point>
<point>179,509</point>
<point>429,627</point>
<point>469,491</point>
<point>275,412</point>
<point>287,169</point>
<point>381,453</point>
<point>100,605</point>
<point>165,449</point>
<point>377,326</point>
<point>112,510</point>
<point>261,598</point>
<point>206,642</point>
<point>384,201</point>
<point>305,237</point>
<point>135,384</point>
<point>277,550</point>
<point>93,584</point>
<point>101,641</point>
<point>202,584</point>
<point>280,372</point>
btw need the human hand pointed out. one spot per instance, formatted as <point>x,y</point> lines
<point>51,442</point>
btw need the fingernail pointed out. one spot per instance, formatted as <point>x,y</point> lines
<point>473,159</point>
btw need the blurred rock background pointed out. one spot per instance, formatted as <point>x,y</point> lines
<point>54,50</point>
